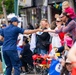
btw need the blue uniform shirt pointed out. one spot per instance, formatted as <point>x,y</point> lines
<point>10,35</point>
<point>1,42</point>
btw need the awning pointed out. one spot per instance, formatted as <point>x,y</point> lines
<point>53,1</point>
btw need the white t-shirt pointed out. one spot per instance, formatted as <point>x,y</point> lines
<point>20,38</point>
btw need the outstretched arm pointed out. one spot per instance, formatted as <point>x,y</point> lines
<point>47,30</point>
<point>72,54</point>
<point>31,31</point>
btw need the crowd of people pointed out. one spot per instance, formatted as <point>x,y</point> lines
<point>56,41</point>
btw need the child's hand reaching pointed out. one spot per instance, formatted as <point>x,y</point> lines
<point>20,56</point>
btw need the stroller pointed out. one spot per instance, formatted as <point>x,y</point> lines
<point>41,63</point>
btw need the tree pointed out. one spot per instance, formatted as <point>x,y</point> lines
<point>0,8</point>
<point>9,5</point>
<point>4,12</point>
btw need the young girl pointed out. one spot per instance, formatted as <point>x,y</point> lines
<point>68,42</point>
<point>67,9</point>
<point>26,55</point>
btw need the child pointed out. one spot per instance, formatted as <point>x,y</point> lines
<point>26,55</point>
<point>68,42</point>
<point>67,9</point>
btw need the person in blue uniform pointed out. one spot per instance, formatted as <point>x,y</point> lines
<point>9,35</point>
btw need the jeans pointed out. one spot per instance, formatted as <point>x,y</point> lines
<point>41,51</point>
<point>11,59</point>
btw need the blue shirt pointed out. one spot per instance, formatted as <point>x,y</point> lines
<point>10,35</point>
<point>1,42</point>
<point>0,31</point>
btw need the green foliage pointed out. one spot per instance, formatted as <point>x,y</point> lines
<point>0,8</point>
<point>9,5</point>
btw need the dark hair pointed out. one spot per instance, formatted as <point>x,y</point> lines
<point>30,26</point>
<point>69,35</point>
<point>65,14</point>
<point>9,22</point>
<point>64,70</point>
<point>25,39</point>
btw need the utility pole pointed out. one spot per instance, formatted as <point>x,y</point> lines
<point>4,11</point>
<point>16,7</point>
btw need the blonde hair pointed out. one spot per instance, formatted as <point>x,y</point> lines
<point>59,19</point>
<point>44,20</point>
<point>56,15</point>
<point>65,4</point>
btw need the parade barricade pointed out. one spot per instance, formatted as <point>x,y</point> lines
<point>3,63</point>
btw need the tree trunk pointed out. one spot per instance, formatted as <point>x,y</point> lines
<point>4,11</point>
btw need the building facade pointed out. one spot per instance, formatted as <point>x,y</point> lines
<point>44,9</point>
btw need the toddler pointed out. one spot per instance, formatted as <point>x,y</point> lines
<point>67,9</point>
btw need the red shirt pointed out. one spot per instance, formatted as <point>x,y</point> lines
<point>61,35</point>
<point>73,71</point>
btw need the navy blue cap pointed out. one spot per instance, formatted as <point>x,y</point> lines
<point>4,25</point>
<point>14,19</point>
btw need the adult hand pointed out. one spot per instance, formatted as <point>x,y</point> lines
<point>47,26</point>
<point>39,29</point>
<point>46,30</point>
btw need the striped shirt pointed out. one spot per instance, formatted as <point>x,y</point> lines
<point>70,28</point>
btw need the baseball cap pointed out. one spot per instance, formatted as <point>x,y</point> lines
<point>67,61</point>
<point>14,19</point>
<point>3,25</point>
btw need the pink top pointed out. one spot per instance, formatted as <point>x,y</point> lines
<point>70,11</point>
<point>68,41</point>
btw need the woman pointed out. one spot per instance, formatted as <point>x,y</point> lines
<point>67,68</point>
<point>42,39</point>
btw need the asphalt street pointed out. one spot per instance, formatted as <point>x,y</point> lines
<point>26,74</point>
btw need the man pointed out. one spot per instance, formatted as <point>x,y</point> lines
<point>70,25</point>
<point>9,35</point>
